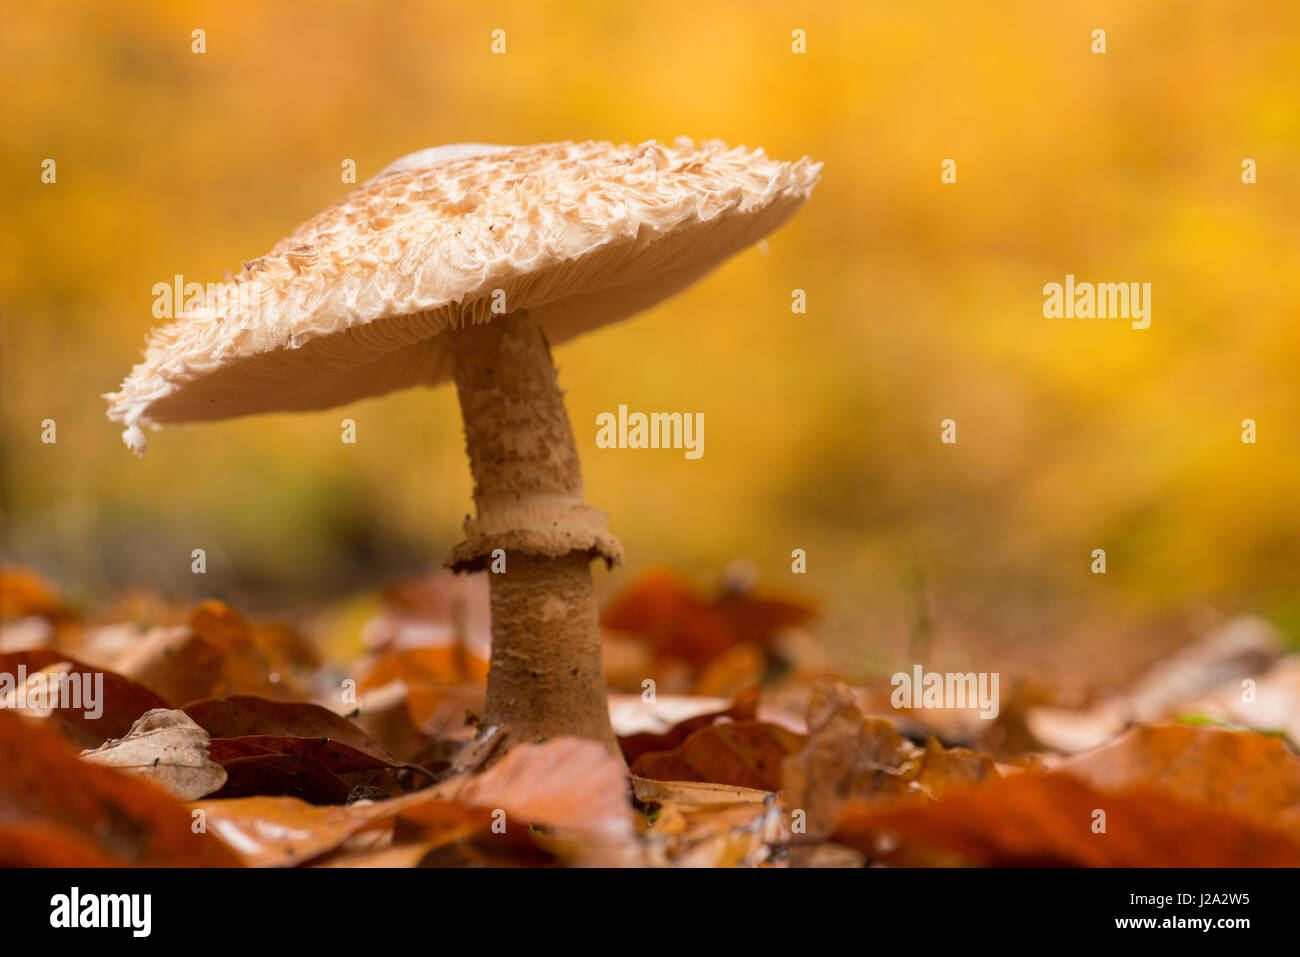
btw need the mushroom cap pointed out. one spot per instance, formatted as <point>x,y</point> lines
<point>354,302</point>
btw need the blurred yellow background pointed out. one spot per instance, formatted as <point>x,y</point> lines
<point>822,430</point>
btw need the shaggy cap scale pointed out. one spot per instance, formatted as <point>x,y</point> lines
<point>354,301</point>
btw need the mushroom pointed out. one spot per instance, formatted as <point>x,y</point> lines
<point>467,262</point>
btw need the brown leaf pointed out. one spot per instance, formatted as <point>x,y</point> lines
<point>566,783</point>
<point>745,754</point>
<point>167,749</point>
<point>47,845</point>
<point>1243,646</point>
<point>1253,776</point>
<point>282,774</point>
<point>850,757</point>
<point>709,825</point>
<point>743,708</point>
<point>739,667</point>
<point>453,835</point>
<point>126,819</point>
<point>243,715</point>
<point>650,791</point>
<point>429,666</point>
<point>663,610</point>
<point>1048,820</point>
<point>334,756</point>
<point>284,831</point>
<point>174,662</point>
<point>23,593</point>
<point>123,700</point>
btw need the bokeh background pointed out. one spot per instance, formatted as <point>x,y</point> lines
<point>822,430</point>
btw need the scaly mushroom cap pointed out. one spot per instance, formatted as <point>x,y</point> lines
<point>353,302</point>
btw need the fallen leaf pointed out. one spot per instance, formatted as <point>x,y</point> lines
<point>167,749</point>
<point>569,784</point>
<point>739,667</point>
<point>692,824</point>
<point>125,818</point>
<point>282,774</point>
<point>743,708</point>
<point>1049,819</point>
<point>242,715</point>
<point>284,831</point>
<point>23,594</point>
<point>663,610</point>
<point>119,701</point>
<point>1275,706</point>
<point>852,757</point>
<point>46,845</point>
<point>1254,776</point>
<point>436,666</point>
<point>649,791</point>
<point>450,834</point>
<point>334,756</point>
<point>1241,648</point>
<point>175,663</point>
<point>741,753</point>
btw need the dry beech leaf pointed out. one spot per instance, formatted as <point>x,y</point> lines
<point>1275,707</point>
<point>451,834</point>
<point>663,610</point>
<point>123,700</point>
<point>739,667</point>
<point>566,783</point>
<point>721,835</point>
<point>851,757</point>
<point>165,748</point>
<point>648,791</point>
<point>282,774</point>
<point>691,824</point>
<point>284,831</point>
<point>1254,776</point>
<point>215,653</point>
<point>631,714</point>
<point>1242,647</point>
<point>47,845</point>
<point>243,715</point>
<point>384,715</point>
<point>174,662</point>
<point>743,708</point>
<point>126,819</point>
<point>437,666</point>
<point>24,594</point>
<point>334,756</point>
<point>745,754</point>
<point>1049,820</point>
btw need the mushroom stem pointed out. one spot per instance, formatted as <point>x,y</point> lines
<point>535,535</point>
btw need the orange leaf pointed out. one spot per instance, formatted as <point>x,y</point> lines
<point>1049,819</point>
<point>123,817</point>
<point>24,593</point>
<point>123,700</point>
<point>440,665</point>
<point>744,707</point>
<point>1254,776</point>
<point>566,783</point>
<point>746,754</point>
<point>243,715</point>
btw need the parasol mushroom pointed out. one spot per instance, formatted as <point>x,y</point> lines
<point>467,262</point>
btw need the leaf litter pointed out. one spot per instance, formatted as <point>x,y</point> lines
<point>228,742</point>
